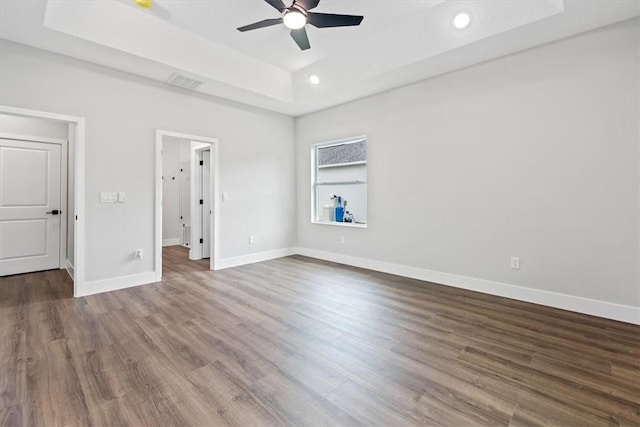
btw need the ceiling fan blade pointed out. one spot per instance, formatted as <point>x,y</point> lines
<point>301,38</point>
<point>326,20</point>
<point>278,4</point>
<point>307,4</point>
<point>261,24</point>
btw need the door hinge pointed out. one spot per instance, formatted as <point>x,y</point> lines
<point>201,202</point>
<point>201,162</point>
<point>201,240</point>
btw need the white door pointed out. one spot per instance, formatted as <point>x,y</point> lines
<point>29,206</point>
<point>206,203</point>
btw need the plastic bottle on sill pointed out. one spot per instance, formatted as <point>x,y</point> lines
<point>339,210</point>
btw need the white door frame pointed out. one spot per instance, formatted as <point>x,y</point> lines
<point>79,182</point>
<point>158,200</point>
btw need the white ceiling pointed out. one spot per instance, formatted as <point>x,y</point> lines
<point>218,20</point>
<point>399,41</point>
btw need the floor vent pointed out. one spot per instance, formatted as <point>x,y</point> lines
<point>184,82</point>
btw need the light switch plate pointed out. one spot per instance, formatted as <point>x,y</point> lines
<point>225,197</point>
<point>108,197</point>
<point>121,197</point>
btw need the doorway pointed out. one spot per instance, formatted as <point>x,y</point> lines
<point>186,194</point>
<point>31,212</point>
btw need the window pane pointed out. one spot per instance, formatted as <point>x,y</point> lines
<point>344,173</point>
<point>354,194</point>
<point>343,153</point>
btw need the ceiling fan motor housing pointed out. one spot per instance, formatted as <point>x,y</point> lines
<point>296,8</point>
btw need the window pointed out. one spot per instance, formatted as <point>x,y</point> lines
<point>340,173</point>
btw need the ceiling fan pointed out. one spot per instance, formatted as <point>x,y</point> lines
<point>296,16</point>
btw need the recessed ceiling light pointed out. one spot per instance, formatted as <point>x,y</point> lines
<point>314,79</point>
<point>295,20</point>
<point>461,20</point>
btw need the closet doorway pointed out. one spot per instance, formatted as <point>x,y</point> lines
<point>25,128</point>
<point>186,194</point>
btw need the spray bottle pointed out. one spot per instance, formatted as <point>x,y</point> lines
<point>339,210</point>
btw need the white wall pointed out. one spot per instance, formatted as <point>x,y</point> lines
<point>176,189</point>
<point>534,155</point>
<point>33,127</point>
<point>170,191</point>
<point>122,114</point>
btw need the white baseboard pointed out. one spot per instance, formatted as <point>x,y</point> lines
<point>251,258</point>
<point>623,313</point>
<point>608,310</point>
<point>70,270</point>
<point>115,283</point>
<point>171,242</point>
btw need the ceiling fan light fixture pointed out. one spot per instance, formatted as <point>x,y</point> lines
<point>461,20</point>
<point>294,19</point>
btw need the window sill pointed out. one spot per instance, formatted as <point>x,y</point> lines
<point>340,224</point>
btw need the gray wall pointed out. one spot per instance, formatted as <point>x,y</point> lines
<point>122,113</point>
<point>534,155</point>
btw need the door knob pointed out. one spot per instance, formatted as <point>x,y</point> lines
<point>54,212</point>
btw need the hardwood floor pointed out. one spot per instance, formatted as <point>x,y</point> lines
<point>302,342</point>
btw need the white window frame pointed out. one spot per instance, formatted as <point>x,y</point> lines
<point>314,181</point>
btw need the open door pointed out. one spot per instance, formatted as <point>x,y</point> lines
<point>205,204</point>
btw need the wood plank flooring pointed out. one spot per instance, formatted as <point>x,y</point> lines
<point>301,342</point>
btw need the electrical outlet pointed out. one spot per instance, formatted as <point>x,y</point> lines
<point>138,254</point>
<point>515,263</point>
<point>342,240</point>
<point>252,240</point>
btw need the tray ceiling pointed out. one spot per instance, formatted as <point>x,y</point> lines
<point>399,42</point>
